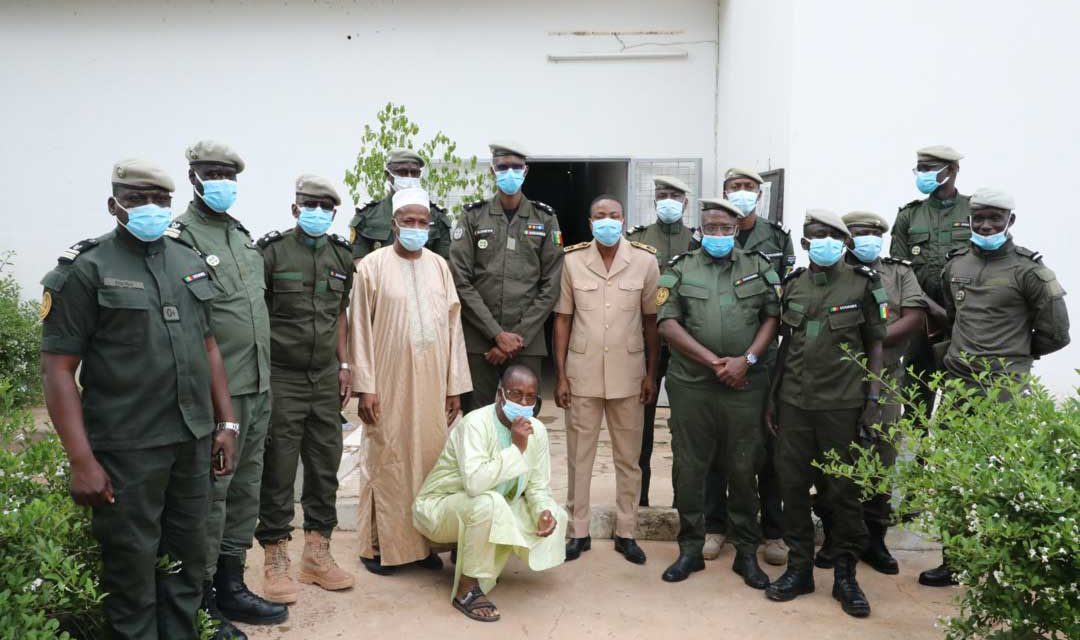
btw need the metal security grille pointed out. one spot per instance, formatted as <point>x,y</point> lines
<point>642,209</point>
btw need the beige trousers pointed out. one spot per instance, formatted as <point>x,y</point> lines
<point>624,421</point>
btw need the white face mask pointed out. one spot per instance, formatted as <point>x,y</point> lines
<point>404,182</point>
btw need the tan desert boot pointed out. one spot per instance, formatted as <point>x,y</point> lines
<point>278,586</point>
<point>317,566</point>
<point>714,543</point>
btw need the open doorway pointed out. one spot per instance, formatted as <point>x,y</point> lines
<point>570,185</point>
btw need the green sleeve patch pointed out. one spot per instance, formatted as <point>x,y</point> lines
<point>287,275</point>
<point>668,280</point>
<point>795,306</point>
<point>771,277</point>
<point>879,295</point>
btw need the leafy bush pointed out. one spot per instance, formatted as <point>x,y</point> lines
<point>998,482</point>
<point>20,340</point>
<point>445,173</point>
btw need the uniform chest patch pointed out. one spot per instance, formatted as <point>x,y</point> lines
<point>481,244</point>
<point>534,233</point>
<point>534,226</point>
<point>556,238</point>
<point>853,306</point>
<point>916,250</point>
<point>745,279</point>
<point>458,232</point>
<point>484,232</point>
<point>195,276</point>
<point>338,275</point>
<point>962,224</point>
<point>123,284</point>
<point>959,295</point>
<point>213,260</point>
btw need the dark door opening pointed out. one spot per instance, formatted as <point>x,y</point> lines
<point>569,187</point>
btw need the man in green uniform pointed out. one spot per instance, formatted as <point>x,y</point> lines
<point>242,328</point>
<point>134,311</point>
<point>924,233</point>
<point>506,257</point>
<point>670,237</point>
<point>742,187</point>
<point>371,227</point>
<point>1005,308</point>
<point>820,402</point>
<point>308,278</point>
<point>718,309</point>
<point>907,317</point>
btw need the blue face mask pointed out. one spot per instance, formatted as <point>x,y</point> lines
<point>513,410</point>
<point>510,181</point>
<point>668,210</point>
<point>315,222</point>
<point>147,222</point>
<point>825,252</point>
<point>927,182</point>
<point>991,242</point>
<point>219,195</point>
<point>867,248</point>
<point>607,231</point>
<point>717,246</point>
<point>744,201</point>
<point>412,239</point>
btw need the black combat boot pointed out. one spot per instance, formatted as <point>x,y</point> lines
<point>236,602</point>
<point>941,576</point>
<point>225,629</point>
<point>794,583</point>
<point>877,554</point>
<point>845,589</point>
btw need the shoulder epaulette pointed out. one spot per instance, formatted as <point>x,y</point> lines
<point>543,207</point>
<point>273,236</point>
<point>575,247</point>
<point>1034,256</point>
<point>175,229</point>
<point>437,207</point>
<point>762,255</point>
<point>892,260</point>
<point>367,206</point>
<point>80,247</point>
<point>638,229</point>
<point>644,247</point>
<point>340,240</point>
<point>242,228</point>
<point>175,237</point>
<point>795,273</point>
<point>675,258</point>
<point>866,271</point>
<point>955,252</point>
<point>778,226</point>
<point>474,205</point>
<point>913,203</point>
<point>696,235</point>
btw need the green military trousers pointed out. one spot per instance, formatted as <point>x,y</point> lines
<point>485,378</point>
<point>160,511</point>
<point>705,420</point>
<point>805,436</point>
<point>234,506</point>
<point>305,424</point>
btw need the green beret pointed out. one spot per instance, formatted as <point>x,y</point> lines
<point>671,182</point>
<point>505,148</point>
<point>736,172</point>
<point>404,155</point>
<point>990,198</point>
<point>211,152</point>
<point>938,152</point>
<point>708,204</point>
<point>826,217</point>
<point>140,174</point>
<point>316,187</point>
<point>866,219</point>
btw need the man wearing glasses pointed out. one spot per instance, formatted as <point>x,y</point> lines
<point>506,257</point>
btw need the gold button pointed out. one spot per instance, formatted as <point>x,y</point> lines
<point>609,283</point>
<point>605,348</point>
<point>609,304</point>
<point>607,326</point>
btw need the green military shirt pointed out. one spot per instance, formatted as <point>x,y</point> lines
<point>239,319</point>
<point>820,311</point>
<point>925,232</point>
<point>721,303</point>
<point>669,239</point>
<point>137,315</point>
<point>372,228</point>
<point>774,242</point>
<point>902,291</point>
<point>307,289</point>
<point>507,272</point>
<point>1003,304</point>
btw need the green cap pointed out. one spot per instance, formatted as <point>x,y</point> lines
<point>866,219</point>
<point>826,217</point>
<point>317,187</point>
<point>720,203</point>
<point>403,155</point>
<point>938,152</point>
<point>212,152</point>
<point>736,172</point>
<point>140,174</point>
<point>506,148</point>
<point>991,198</point>
<point>670,182</point>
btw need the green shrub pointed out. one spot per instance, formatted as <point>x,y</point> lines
<point>20,339</point>
<point>997,481</point>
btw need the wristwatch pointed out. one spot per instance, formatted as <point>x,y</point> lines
<point>751,359</point>
<point>345,366</point>
<point>228,426</point>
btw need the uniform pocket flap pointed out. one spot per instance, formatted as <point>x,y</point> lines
<point>55,279</point>
<point>693,291</point>
<point>203,289</point>
<point>636,344</point>
<point>632,285</point>
<point>845,319</point>
<point>587,285</point>
<point>335,284</point>
<point>916,237</point>
<point>377,231</point>
<point>792,318</point>
<point>578,343</point>
<point>1044,274</point>
<point>286,282</point>
<point>752,288</point>
<point>123,298</point>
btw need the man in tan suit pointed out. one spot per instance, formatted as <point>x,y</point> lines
<point>606,353</point>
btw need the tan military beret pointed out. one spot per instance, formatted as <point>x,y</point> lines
<point>826,217</point>
<point>719,203</point>
<point>211,152</point>
<point>938,152</point>
<point>672,182</point>
<point>736,172</point>
<point>866,219</point>
<point>404,155</point>
<point>140,174</point>
<point>506,148</point>
<point>991,198</point>
<point>316,187</point>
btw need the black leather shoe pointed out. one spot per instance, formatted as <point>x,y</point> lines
<point>746,565</point>
<point>630,550</point>
<point>845,589</point>
<point>878,557</point>
<point>791,585</point>
<point>225,629</point>
<point>682,568</point>
<point>577,546</point>
<point>432,563</point>
<point>375,565</point>
<point>941,576</point>
<point>236,602</point>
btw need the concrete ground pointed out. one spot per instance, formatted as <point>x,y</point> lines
<point>601,595</point>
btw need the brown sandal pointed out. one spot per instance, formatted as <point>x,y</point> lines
<point>468,605</point>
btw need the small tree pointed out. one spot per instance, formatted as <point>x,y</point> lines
<point>20,339</point>
<point>998,482</point>
<point>445,173</point>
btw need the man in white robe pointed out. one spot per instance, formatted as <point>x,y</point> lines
<point>490,493</point>
<point>410,368</point>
